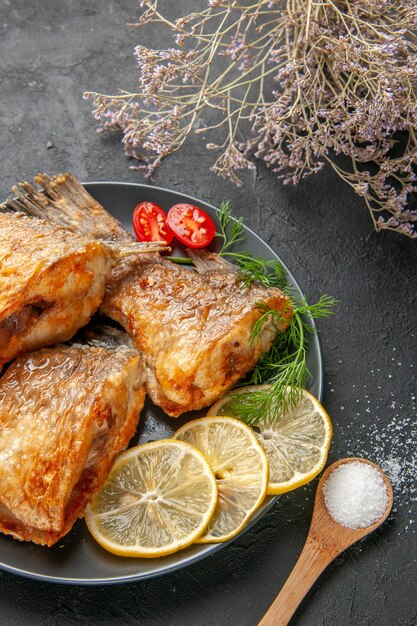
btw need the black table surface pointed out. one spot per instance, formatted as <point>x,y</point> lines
<point>50,52</point>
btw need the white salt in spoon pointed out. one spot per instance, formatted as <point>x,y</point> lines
<point>325,541</point>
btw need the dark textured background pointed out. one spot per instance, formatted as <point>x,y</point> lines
<point>50,52</point>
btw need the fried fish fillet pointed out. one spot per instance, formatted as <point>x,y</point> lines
<point>51,282</point>
<point>65,413</point>
<point>192,327</point>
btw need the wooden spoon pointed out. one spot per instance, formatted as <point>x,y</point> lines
<point>325,541</point>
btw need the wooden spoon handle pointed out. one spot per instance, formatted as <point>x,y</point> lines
<point>314,558</point>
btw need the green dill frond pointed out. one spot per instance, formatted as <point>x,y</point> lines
<point>255,405</point>
<point>284,366</point>
<point>324,307</point>
<point>252,269</point>
<point>231,229</point>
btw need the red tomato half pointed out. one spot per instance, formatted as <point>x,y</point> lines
<point>191,225</point>
<point>150,223</point>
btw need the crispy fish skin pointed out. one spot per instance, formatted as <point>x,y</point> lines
<point>193,328</point>
<point>65,413</point>
<point>51,282</point>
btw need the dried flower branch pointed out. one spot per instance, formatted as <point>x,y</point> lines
<point>308,82</point>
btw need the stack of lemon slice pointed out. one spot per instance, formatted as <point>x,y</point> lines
<point>297,444</point>
<point>240,467</point>
<point>205,483</point>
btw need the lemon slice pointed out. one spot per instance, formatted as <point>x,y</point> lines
<point>297,444</point>
<point>159,497</point>
<point>239,465</point>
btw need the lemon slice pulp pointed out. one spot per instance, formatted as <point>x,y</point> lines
<point>159,497</point>
<point>239,465</point>
<point>296,444</point>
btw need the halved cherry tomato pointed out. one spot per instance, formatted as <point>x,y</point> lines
<point>191,225</point>
<point>150,223</point>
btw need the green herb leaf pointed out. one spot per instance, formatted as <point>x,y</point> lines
<point>285,364</point>
<point>231,229</point>
<point>252,269</point>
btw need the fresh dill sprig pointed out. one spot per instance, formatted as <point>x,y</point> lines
<point>252,269</point>
<point>231,229</point>
<point>324,307</point>
<point>284,366</point>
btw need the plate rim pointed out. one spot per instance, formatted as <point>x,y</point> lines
<point>213,548</point>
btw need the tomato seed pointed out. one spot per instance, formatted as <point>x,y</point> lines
<point>200,219</point>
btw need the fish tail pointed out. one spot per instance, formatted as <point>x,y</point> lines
<point>64,201</point>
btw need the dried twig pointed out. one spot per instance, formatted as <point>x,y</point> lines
<point>344,82</point>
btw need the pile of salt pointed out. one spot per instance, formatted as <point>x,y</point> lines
<point>355,495</point>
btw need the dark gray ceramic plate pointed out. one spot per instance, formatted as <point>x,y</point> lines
<point>78,559</point>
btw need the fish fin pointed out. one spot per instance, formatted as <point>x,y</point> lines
<point>118,251</point>
<point>64,201</point>
<point>206,261</point>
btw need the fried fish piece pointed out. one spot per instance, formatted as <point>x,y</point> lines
<point>65,413</point>
<point>192,327</point>
<point>51,282</point>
